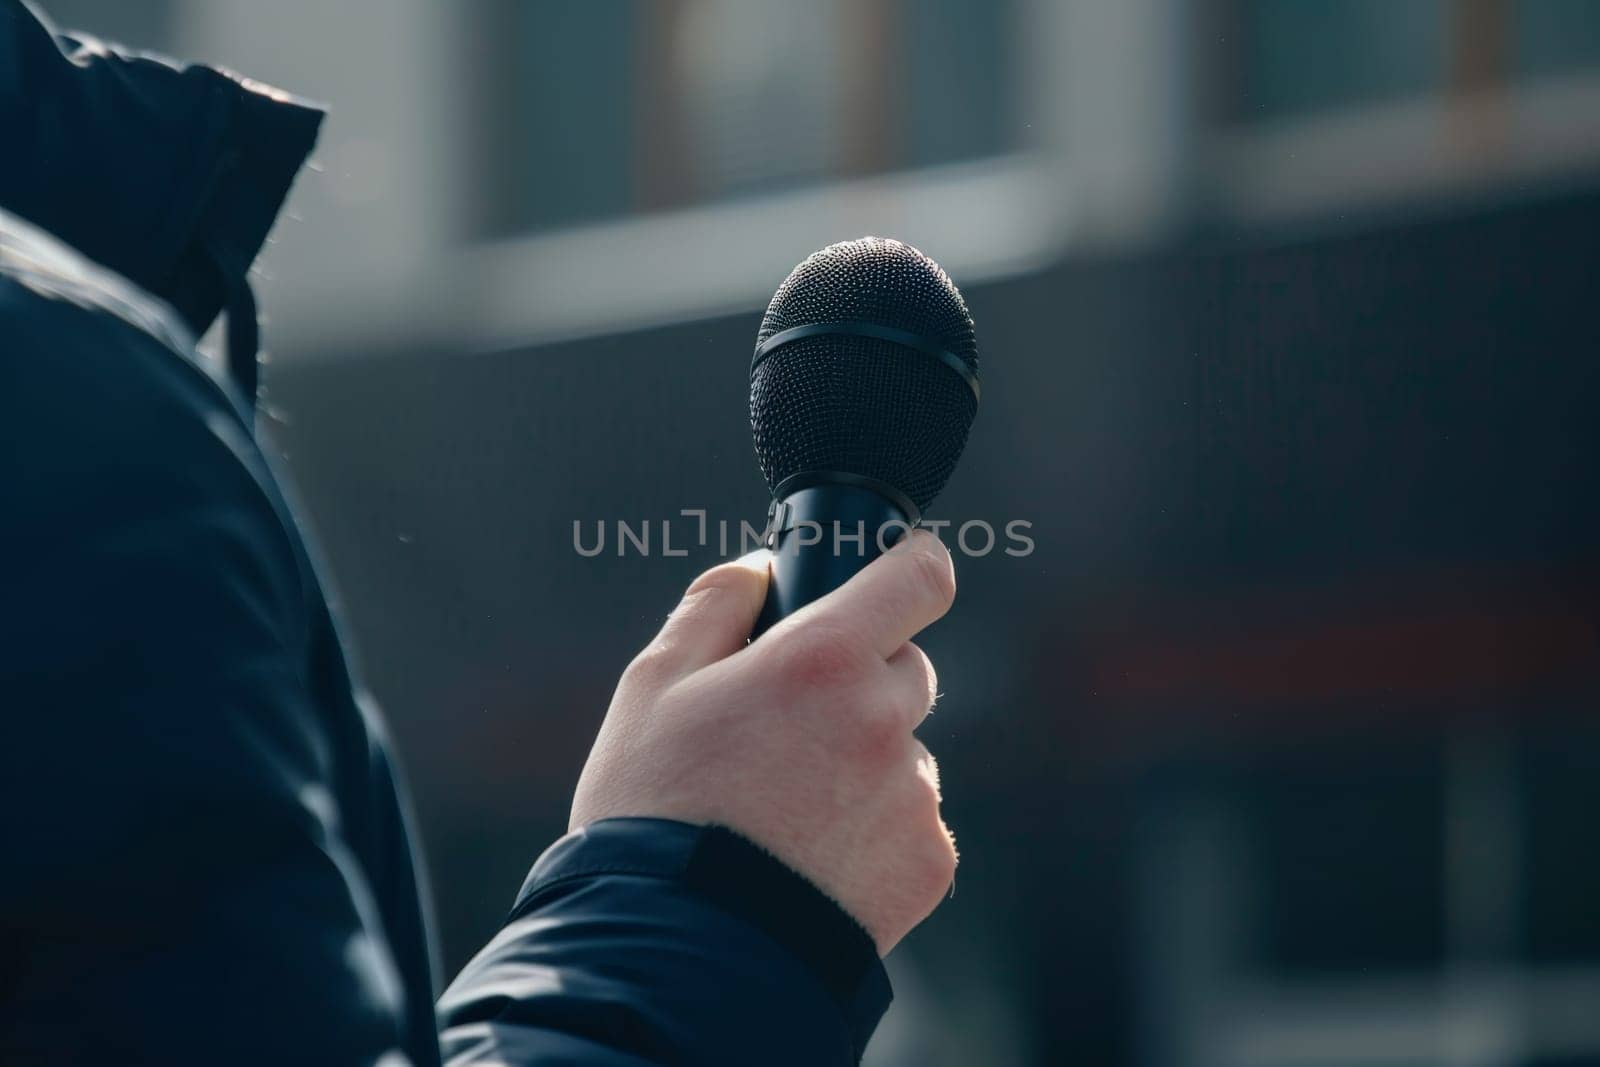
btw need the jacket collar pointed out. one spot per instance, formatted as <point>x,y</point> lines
<point>169,176</point>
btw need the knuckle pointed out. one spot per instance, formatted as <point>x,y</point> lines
<point>929,675</point>
<point>910,706</point>
<point>880,734</point>
<point>650,667</point>
<point>937,860</point>
<point>933,853</point>
<point>824,658</point>
<point>723,578</point>
<point>934,569</point>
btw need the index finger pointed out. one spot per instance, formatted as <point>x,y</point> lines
<point>896,595</point>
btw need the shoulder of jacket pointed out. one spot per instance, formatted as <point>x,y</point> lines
<point>53,269</point>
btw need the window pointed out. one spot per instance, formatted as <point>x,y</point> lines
<point>612,107</point>
<point>1284,60</point>
<point>1554,37</point>
<point>1316,55</point>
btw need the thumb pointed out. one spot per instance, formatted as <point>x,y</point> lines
<point>715,616</point>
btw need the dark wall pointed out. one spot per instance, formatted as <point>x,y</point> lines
<point>1297,503</point>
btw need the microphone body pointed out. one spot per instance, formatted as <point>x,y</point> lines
<point>820,537</point>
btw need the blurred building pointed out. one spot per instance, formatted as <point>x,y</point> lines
<point>1280,749</point>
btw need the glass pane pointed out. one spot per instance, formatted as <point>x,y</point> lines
<point>1556,36</point>
<point>622,106</point>
<point>962,82</point>
<point>571,131</point>
<point>1349,865</point>
<point>1315,55</point>
<point>1562,864</point>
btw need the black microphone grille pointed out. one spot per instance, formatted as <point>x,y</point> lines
<point>866,364</point>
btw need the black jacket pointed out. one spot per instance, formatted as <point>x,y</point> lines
<point>204,854</point>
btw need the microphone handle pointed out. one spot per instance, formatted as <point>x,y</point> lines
<point>823,534</point>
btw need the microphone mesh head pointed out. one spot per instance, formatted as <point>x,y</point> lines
<point>862,405</point>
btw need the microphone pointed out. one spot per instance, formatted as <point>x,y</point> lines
<point>863,386</point>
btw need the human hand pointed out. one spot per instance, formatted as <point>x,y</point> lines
<point>801,740</point>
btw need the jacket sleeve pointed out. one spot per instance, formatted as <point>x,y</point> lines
<point>179,886</point>
<point>644,941</point>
